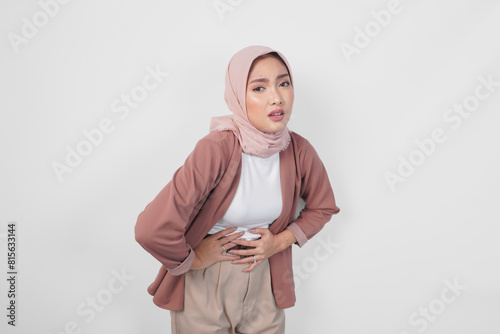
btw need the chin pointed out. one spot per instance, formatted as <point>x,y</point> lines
<point>274,128</point>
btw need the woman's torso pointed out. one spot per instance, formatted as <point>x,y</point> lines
<point>258,200</point>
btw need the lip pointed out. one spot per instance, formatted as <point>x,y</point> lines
<point>277,118</point>
<point>277,111</point>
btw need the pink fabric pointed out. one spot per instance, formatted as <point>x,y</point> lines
<point>252,140</point>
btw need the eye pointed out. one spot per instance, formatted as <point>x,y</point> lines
<point>285,84</point>
<point>258,89</point>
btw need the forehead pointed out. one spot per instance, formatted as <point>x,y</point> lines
<point>266,67</point>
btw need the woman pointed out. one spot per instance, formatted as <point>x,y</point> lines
<point>224,225</point>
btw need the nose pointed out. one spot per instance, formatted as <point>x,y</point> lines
<point>275,97</point>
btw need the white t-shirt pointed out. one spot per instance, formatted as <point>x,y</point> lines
<point>257,201</point>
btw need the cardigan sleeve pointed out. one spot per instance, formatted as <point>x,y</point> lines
<point>160,228</point>
<point>317,194</point>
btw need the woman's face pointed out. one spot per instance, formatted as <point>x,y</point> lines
<point>269,91</point>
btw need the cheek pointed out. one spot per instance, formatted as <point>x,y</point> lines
<point>290,97</point>
<point>253,104</point>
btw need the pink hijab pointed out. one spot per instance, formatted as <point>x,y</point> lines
<point>252,140</point>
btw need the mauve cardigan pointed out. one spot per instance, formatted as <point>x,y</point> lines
<point>200,192</point>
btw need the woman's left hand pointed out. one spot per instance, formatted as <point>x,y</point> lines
<point>268,245</point>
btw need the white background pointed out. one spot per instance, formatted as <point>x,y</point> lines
<point>394,249</point>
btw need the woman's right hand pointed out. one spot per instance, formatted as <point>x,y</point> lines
<point>209,251</point>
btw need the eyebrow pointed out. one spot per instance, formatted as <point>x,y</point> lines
<point>267,80</point>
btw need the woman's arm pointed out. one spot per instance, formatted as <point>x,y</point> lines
<point>160,228</point>
<point>317,194</point>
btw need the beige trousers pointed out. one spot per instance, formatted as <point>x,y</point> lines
<point>222,299</point>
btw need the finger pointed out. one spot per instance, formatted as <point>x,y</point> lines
<point>252,266</point>
<point>241,261</point>
<point>231,237</point>
<point>258,230</point>
<point>250,243</point>
<point>229,245</point>
<point>245,259</point>
<point>224,232</point>
<point>229,258</point>
<point>242,252</point>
